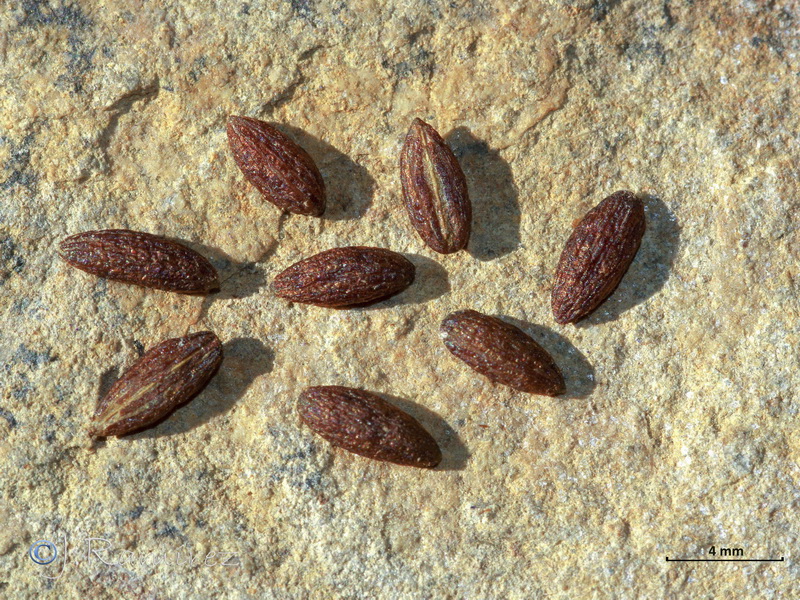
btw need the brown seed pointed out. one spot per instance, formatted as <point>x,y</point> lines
<point>597,255</point>
<point>365,424</point>
<point>166,376</point>
<point>435,190</point>
<point>281,170</point>
<point>503,353</point>
<point>345,277</point>
<point>140,258</point>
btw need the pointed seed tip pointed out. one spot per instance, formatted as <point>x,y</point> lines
<point>418,123</point>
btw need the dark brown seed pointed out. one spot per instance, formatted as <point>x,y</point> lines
<point>166,376</point>
<point>141,259</point>
<point>503,353</point>
<point>365,424</point>
<point>343,277</point>
<point>281,170</point>
<point>435,190</point>
<point>597,255</point>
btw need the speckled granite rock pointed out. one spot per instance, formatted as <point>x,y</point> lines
<point>679,430</point>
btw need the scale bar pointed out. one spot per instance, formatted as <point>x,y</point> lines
<point>725,559</point>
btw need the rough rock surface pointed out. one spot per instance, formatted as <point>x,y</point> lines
<point>680,428</point>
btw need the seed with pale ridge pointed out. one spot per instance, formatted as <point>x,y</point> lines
<point>435,190</point>
<point>164,378</point>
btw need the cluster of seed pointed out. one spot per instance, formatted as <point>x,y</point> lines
<point>435,194</point>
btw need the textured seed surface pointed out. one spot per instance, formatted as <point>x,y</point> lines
<point>167,376</point>
<point>502,352</point>
<point>435,190</point>
<point>281,170</point>
<point>140,258</point>
<point>346,276</point>
<point>597,255</point>
<point>366,424</point>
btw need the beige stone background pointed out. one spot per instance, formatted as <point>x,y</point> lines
<point>679,430</point>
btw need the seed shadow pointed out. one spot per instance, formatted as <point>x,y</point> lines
<point>454,452</point>
<point>577,370</point>
<point>649,270</point>
<point>244,360</point>
<point>107,379</point>
<point>494,196</point>
<point>348,186</point>
<point>237,279</point>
